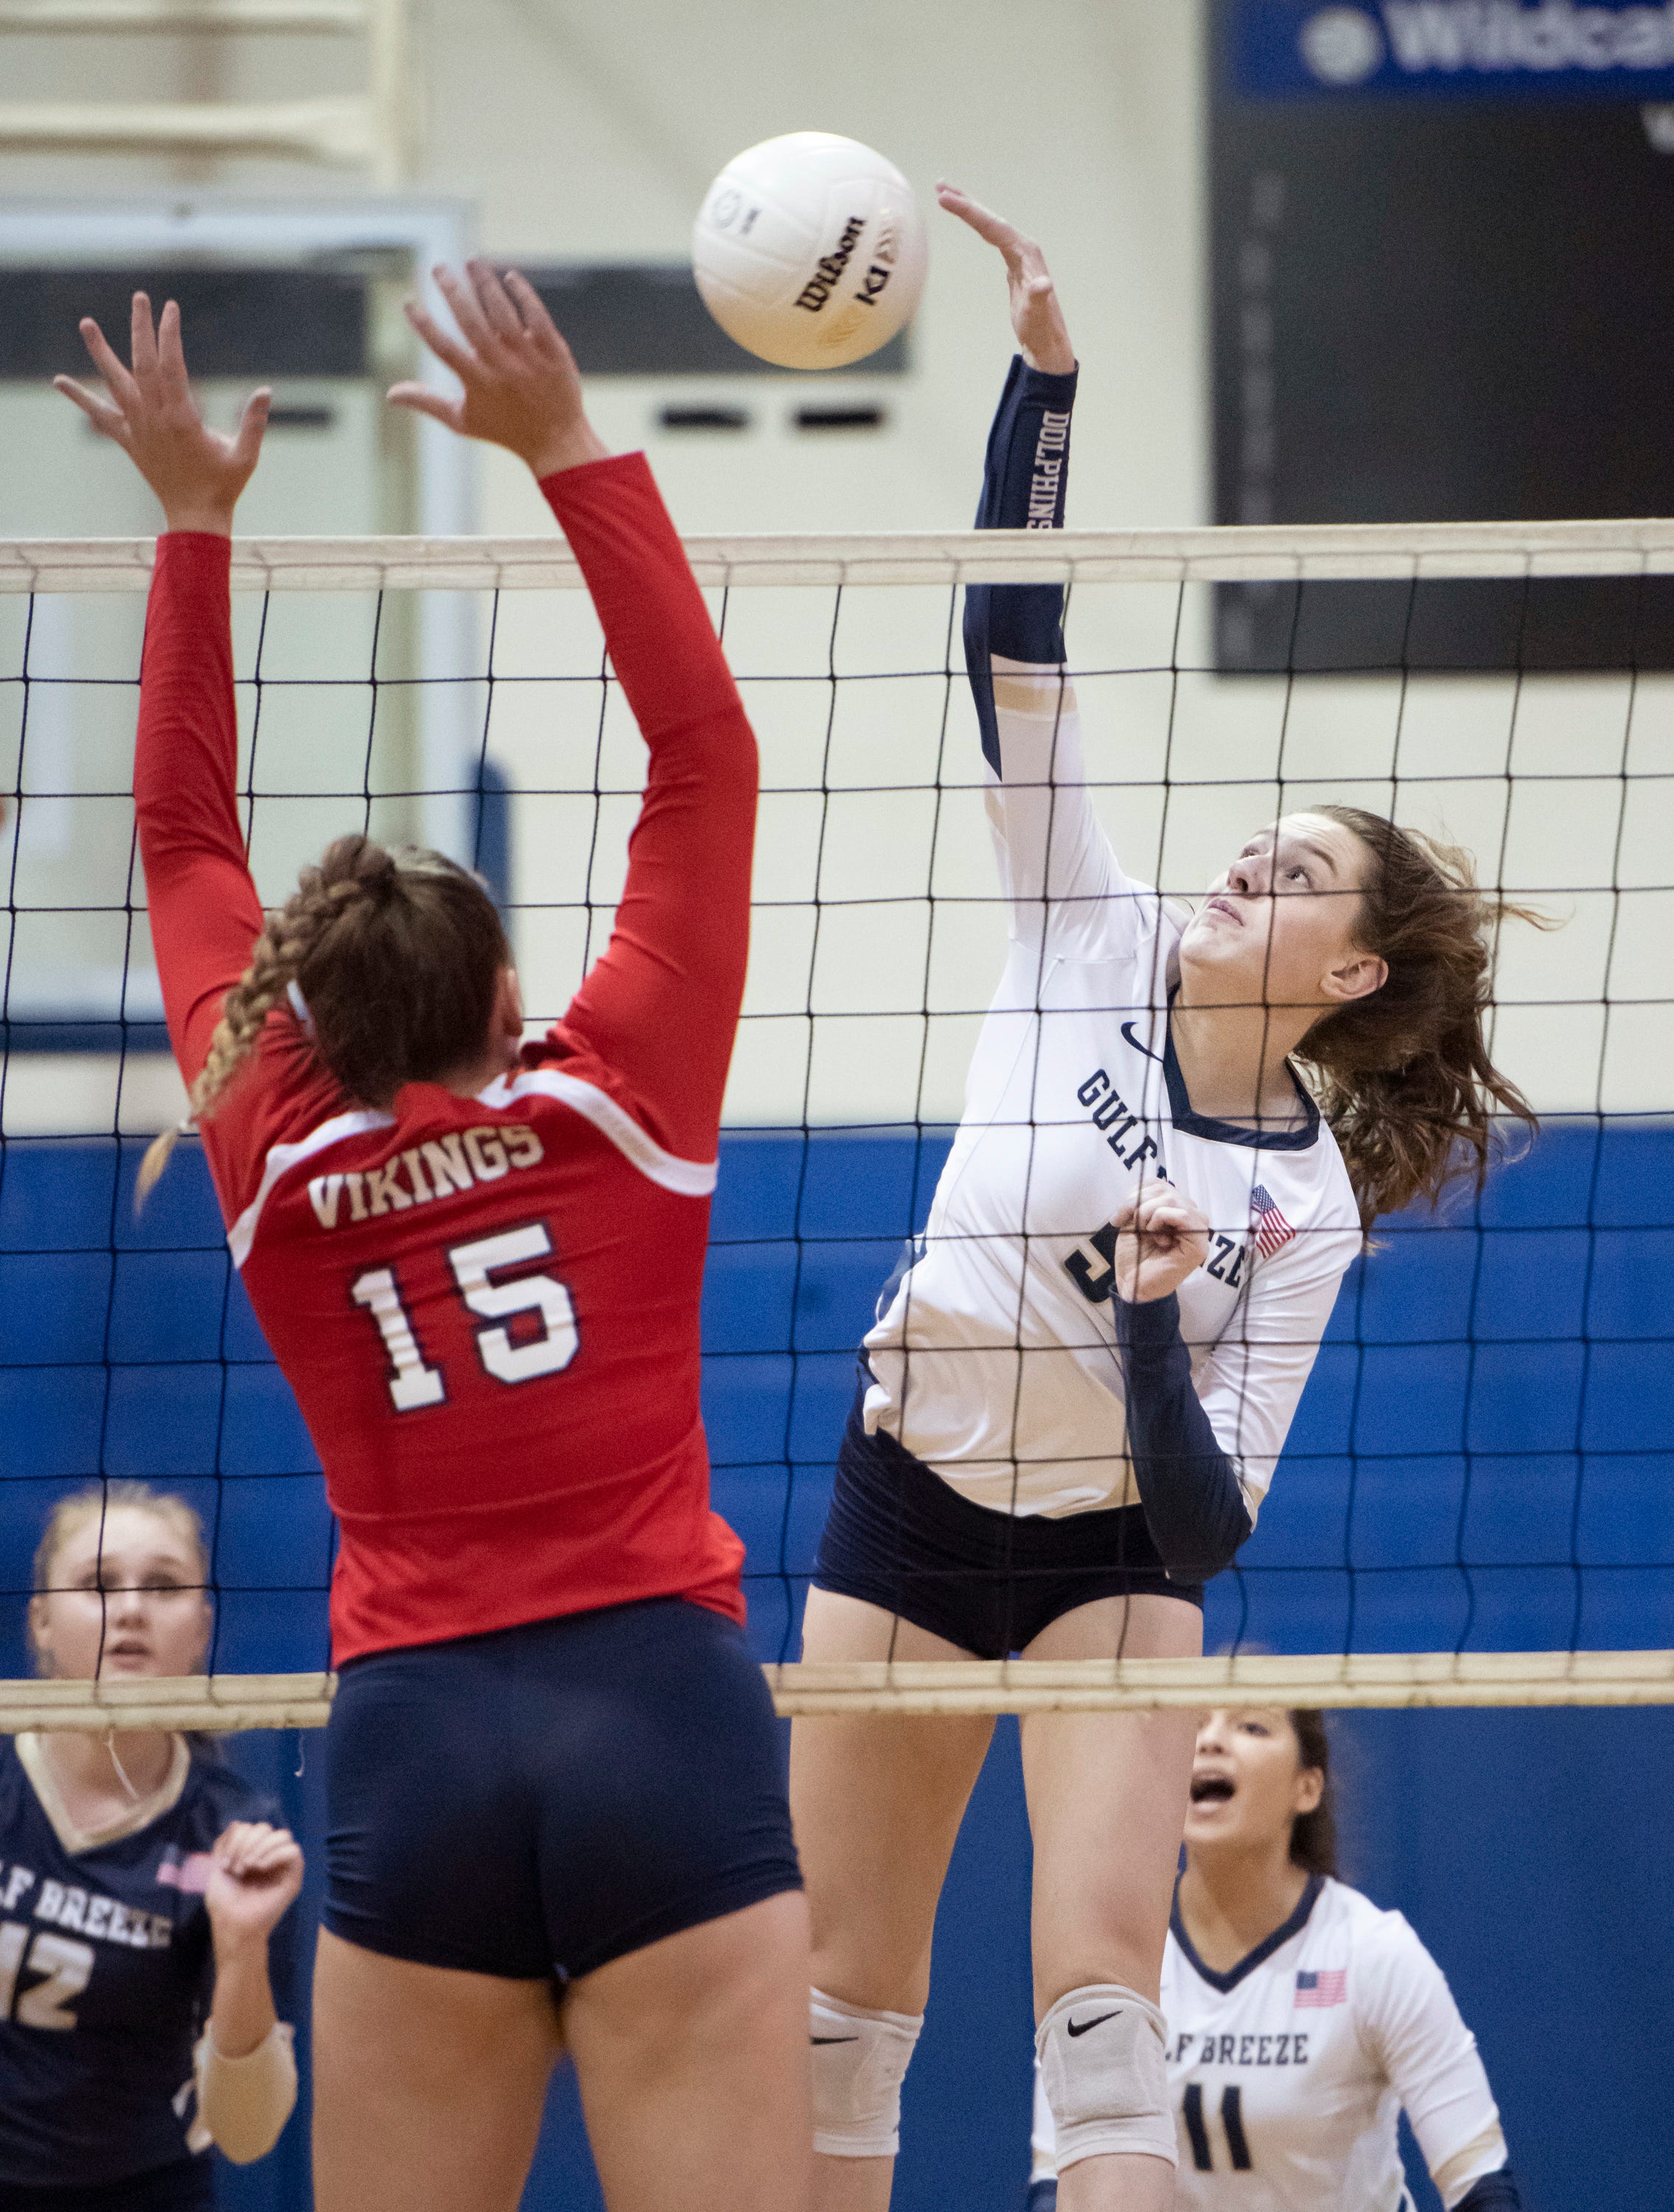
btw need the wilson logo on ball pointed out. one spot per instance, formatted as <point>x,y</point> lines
<point>819,287</point>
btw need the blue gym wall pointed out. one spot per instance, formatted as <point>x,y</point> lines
<point>1487,1442</point>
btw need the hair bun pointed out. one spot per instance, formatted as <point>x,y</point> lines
<point>357,866</point>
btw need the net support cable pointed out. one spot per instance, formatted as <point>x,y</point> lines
<point>226,1703</point>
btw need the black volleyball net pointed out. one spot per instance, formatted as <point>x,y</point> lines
<point>1474,1502</point>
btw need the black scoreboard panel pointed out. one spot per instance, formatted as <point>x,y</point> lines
<point>1442,310</point>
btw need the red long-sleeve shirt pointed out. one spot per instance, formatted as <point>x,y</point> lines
<point>487,1307</point>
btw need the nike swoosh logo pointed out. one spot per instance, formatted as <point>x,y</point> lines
<point>1127,1031</point>
<point>833,2038</point>
<point>1084,2026</point>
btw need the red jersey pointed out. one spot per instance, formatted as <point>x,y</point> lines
<point>487,1307</point>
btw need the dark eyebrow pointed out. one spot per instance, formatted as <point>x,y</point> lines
<point>1319,852</point>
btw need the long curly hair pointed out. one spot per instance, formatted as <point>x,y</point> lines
<point>1404,1076</point>
<point>396,957</point>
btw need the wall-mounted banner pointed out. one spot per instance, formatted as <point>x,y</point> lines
<point>1450,49</point>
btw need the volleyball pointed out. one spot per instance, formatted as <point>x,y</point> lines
<point>810,250</point>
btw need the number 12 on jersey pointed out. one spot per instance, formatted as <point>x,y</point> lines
<point>413,1384</point>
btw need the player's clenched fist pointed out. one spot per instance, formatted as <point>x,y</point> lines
<point>1161,1236</point>
<point>256,1872</point>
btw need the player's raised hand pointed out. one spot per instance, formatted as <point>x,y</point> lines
<point>257,1874</point>
<point>151,413</point>
<point>522,390</point>
<point>1043,337</point>
<point>1161,1237</point>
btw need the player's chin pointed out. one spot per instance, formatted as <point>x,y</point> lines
<point>1207,1824</point>
<point>1237,958</point>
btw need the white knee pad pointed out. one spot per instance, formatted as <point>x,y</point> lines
<point>860,2061</point>
<point>1103,2051</point>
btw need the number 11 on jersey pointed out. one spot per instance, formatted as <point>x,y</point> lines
<point>413,1384</point>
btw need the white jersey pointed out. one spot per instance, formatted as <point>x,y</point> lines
<point>995,1360</point>
<point>1288,2074</point>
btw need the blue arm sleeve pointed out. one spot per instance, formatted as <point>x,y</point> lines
<point>1495,2192</point>
<point>1194,1507</point>
<point>1025,473</point>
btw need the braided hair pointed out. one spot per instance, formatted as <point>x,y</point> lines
<point>396,957</point>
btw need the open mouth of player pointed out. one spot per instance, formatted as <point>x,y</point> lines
<point>1211,1788</point>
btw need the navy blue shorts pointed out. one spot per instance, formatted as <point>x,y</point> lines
<point>542,1800</point>
<point>187,2186</point>
<point>903,1539</point>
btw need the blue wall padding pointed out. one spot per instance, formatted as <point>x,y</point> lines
<point>1488,1442</point>
<point>1530,1849</point>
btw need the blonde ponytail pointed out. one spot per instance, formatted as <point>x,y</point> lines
<point>279,952</point>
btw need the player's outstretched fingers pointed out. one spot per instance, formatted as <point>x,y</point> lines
<point>171,351</point>
<point>498,311</point>
<point>108,363</point>
<point>538,322</point>
<point>1023,257</point>
<point>479,333</point>
<point>108,421</point>
<point>1036,316</point>
<point>253,427</point>
<point>143,340</point>
<point>986,224</point>
<point>423,401</point>
<point>448,350</point>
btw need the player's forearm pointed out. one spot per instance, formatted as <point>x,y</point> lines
<point>663,1005</point>
<point>1024,483</point>
<point>1194,1506</point>
<point>245,2065</point>
<point>186,753</point>
<point>242,2014</point>
<point>663,645</point>
<point>204,910</point>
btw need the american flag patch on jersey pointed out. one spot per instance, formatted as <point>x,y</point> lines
<point>1272,1231</point>
<point>1328,1986</point>
<point>191,1875</point>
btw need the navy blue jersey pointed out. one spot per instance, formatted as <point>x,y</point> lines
<point>106,1973</point>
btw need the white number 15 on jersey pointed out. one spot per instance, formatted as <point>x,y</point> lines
<point>412,1384</point>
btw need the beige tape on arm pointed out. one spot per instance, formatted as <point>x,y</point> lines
<point>1456,2175</point>
<point>243,2103</point>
